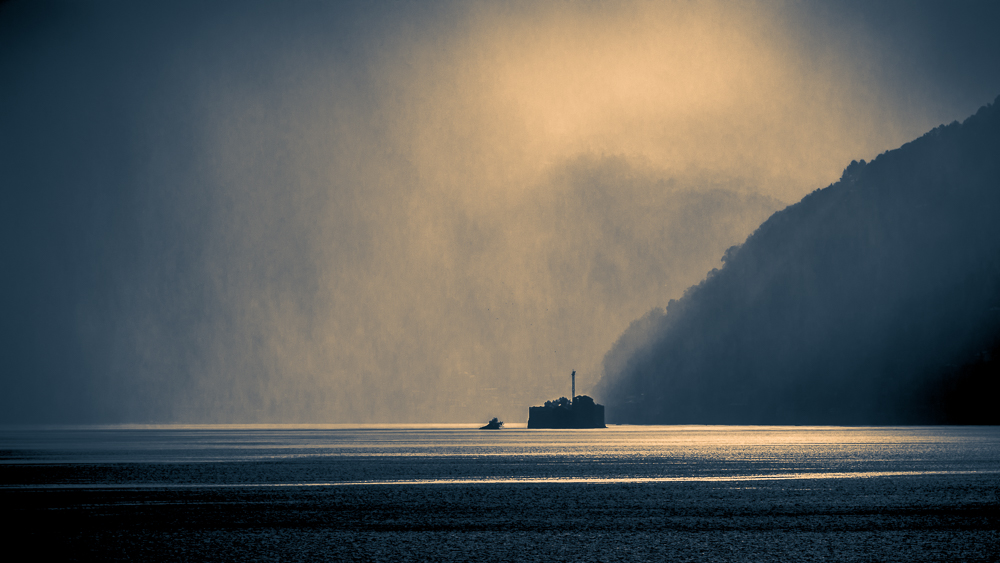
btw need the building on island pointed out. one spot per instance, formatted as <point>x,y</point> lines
<point>580,412</point>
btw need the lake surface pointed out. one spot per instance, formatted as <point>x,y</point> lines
<point>455,492</point>
<point>297,456</point>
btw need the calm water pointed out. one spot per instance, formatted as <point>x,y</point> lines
<point>188,456</point>
<point>438,493</point>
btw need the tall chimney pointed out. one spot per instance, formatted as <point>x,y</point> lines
<point>572,397</point>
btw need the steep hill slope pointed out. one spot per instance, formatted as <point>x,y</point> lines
<point>873,301</point>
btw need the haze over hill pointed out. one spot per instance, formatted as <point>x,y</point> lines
<point>875,300</point>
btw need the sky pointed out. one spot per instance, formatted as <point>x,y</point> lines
<point>325,212</point>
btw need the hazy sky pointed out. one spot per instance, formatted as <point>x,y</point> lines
<point>412,211</point>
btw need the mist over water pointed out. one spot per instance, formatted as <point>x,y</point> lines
<point>254,212</point>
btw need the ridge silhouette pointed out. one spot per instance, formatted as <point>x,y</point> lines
<point>875,300</point>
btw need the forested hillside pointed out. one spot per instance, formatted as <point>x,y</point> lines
<point>873,301</point>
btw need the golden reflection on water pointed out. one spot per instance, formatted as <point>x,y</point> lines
<point>283,456</point>
<point>597,480</point>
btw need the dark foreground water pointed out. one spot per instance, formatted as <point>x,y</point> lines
<point>672,493</point>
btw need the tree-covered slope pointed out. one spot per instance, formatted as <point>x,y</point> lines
<point>873,301</point>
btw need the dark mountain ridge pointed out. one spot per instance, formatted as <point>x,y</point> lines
<point>875,300</point>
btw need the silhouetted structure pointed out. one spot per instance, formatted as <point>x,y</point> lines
<point>494,424</point>
<point>581,412</point>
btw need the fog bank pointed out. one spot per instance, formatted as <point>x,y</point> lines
<point>409,211</point>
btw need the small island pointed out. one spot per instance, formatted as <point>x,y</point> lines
<point>581,412</point>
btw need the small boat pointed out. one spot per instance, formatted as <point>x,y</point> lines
<point>494,424</point>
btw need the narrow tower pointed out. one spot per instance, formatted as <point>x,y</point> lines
<point>572,398</point>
